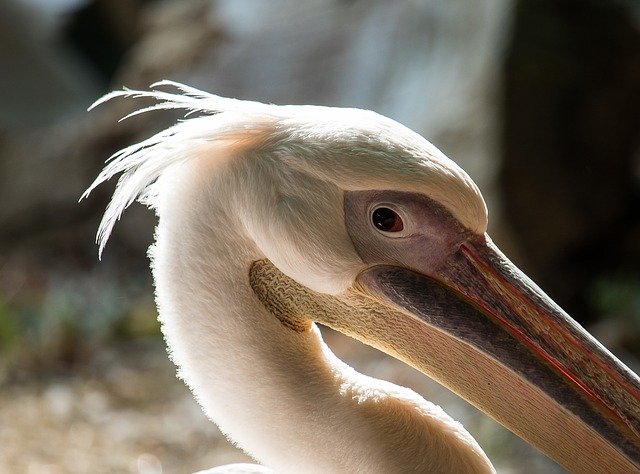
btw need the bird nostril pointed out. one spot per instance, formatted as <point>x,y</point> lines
<point>386,220</point>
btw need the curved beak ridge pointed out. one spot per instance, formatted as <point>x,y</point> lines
<point>517,355</point>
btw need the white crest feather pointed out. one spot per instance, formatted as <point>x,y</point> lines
<point>142,163</point>
<point>354,149</point>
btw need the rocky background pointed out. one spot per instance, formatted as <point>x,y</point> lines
<point>537,99</point>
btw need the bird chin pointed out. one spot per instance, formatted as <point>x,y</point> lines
<point>452,339</point>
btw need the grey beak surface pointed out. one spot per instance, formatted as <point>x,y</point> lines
<point>527,363</point>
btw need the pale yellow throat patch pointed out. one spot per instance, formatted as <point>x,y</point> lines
<point>473,374</point>
<point>297,306</point>
<point>282,296</point>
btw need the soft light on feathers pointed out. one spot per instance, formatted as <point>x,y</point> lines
<point>340,140</point>
<point>293,187</point>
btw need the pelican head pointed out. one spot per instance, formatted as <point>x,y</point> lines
<point>275,217</point>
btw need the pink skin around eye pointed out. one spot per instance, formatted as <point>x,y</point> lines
<point>434,233</point>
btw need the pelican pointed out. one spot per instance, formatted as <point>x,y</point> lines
<point>274,218</point>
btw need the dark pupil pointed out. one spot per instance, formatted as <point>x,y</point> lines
<point>386,220</point>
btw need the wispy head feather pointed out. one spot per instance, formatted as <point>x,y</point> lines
<point>354,149</point>
<point>142,163</point>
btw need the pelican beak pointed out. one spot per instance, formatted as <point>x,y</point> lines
<point>479,326</point>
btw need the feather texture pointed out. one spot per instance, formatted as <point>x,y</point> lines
<point>141,164</point>
<point>332,144</point>
<point>236,182</point>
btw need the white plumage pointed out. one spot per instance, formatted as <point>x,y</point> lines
<point>243,182</point>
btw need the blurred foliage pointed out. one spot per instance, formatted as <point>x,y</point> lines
<point>11,336</point>
<point>617,298</point>
<point>59,325</point>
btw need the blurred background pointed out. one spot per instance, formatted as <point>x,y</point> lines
<point>539,100</point>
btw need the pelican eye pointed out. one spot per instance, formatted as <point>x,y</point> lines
<point>386,219</point>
